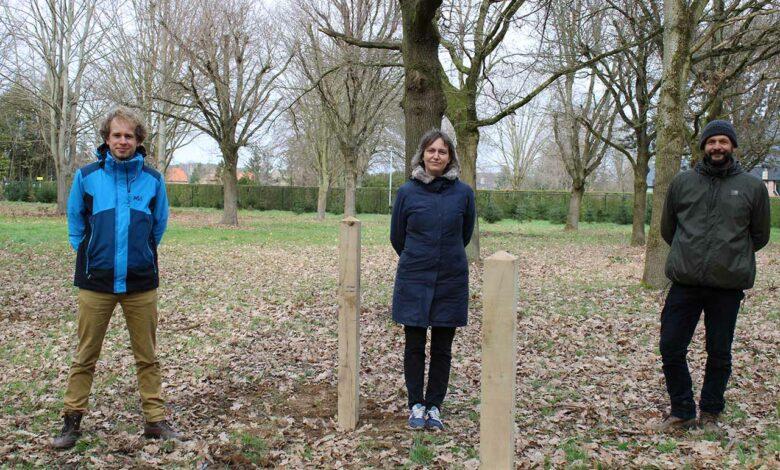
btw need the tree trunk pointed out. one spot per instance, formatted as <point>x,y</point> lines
<point>230,188</point>
<point>640,192</point>
<point>322,198</point>
<point>679,22</point>
<point>575,202</point>
<point>423,102</point>
<point>350,183</point>
<point>640,205</point>
<point>160,146</point>
<point>468,142</point>
<point>63,190</point>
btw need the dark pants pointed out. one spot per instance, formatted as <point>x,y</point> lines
<point>438,370</point>
<point>679,317</point>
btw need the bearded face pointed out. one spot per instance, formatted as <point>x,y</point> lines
<point>718,150</point>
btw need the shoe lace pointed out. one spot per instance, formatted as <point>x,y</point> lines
<point>418,412</point>
<point>433,413</point>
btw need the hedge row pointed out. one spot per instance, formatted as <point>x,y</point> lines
<point>30,191</point>
<point>492,205</point>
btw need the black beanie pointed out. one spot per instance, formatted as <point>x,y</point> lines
<point>718,127</point>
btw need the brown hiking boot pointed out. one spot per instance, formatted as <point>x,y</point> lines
<point>709,421</point>
<point>673,423</point>
<point>160,430</point>
<point>71,432</point>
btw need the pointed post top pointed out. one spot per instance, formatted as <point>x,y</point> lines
<point>350,221</point>
<point>501,256</point>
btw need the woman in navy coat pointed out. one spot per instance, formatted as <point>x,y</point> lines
<point>432,222</point>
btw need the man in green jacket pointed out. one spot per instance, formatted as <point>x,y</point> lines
<point>715,218</point>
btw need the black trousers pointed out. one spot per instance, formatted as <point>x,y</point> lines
<point>679,317</point>
<point>438,370</point>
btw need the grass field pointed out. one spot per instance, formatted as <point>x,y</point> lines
<point>248,344</point>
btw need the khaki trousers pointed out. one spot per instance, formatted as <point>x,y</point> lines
<point>95,310</point>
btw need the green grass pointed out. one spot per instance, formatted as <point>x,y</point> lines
<point>667,446</point>
<point>254,448</point>
<point>420,453</point>
<point>574,452</point>
<point>287,228</point>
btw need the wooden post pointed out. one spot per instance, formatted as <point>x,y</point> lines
<point>349,324</point>
<point>499,351</point>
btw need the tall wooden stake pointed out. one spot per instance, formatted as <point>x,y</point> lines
<point>499,346</point>
<point>349,324</point>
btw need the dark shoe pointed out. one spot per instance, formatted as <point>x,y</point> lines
<point>708,421</point>
<point>673,423</point>
<point>160,430</point>
<point>71,432</point>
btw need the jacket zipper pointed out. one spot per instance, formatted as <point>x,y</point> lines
<point>710,214</point>
<point>86,252</point>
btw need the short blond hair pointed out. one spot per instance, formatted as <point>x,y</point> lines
<point>125,114</point>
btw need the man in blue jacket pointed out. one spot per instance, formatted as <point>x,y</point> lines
<point>117,213</point>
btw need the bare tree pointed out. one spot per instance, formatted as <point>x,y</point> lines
<point>315,139</point>
<point>356,86</point>
<point>423,99</point>
<point>55,43</point>
<point>519,140</point>
<point>754,107</point>
<point>232,67</point>
<point>578,122</point>
<point>730,55</point>
<point>580,149</point>
<point>142,72</point>
<point>632,77</point>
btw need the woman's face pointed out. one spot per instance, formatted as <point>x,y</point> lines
<point>436,157</point>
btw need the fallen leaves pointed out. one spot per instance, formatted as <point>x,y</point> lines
<point>247,340</point>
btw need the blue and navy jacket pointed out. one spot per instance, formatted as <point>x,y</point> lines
<point>117,213</point>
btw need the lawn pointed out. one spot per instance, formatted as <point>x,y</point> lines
<point>248,344</point>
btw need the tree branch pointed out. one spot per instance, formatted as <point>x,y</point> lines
<point>555,76</point>
<point>389,45</point>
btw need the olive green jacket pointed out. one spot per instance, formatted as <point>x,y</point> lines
<point>715,220</point>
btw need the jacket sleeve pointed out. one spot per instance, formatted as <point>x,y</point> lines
<point>469,218</point>
<point>759,220</point>
<point>160,212</point>
<point>398,224</point>
<point>76,226</point>
<point>668,217</point>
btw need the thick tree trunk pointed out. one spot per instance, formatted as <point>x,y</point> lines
<point>230,190</point>
<point>423,102</point>
<point>468,142</point>
<point>679,22</point>
<point>575,202</point>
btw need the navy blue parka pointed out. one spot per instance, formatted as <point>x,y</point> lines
<point>431,225</point>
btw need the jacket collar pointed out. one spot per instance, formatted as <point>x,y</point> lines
<point>109,163</point>
<point>436,185</point>
<point>704,168</point>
